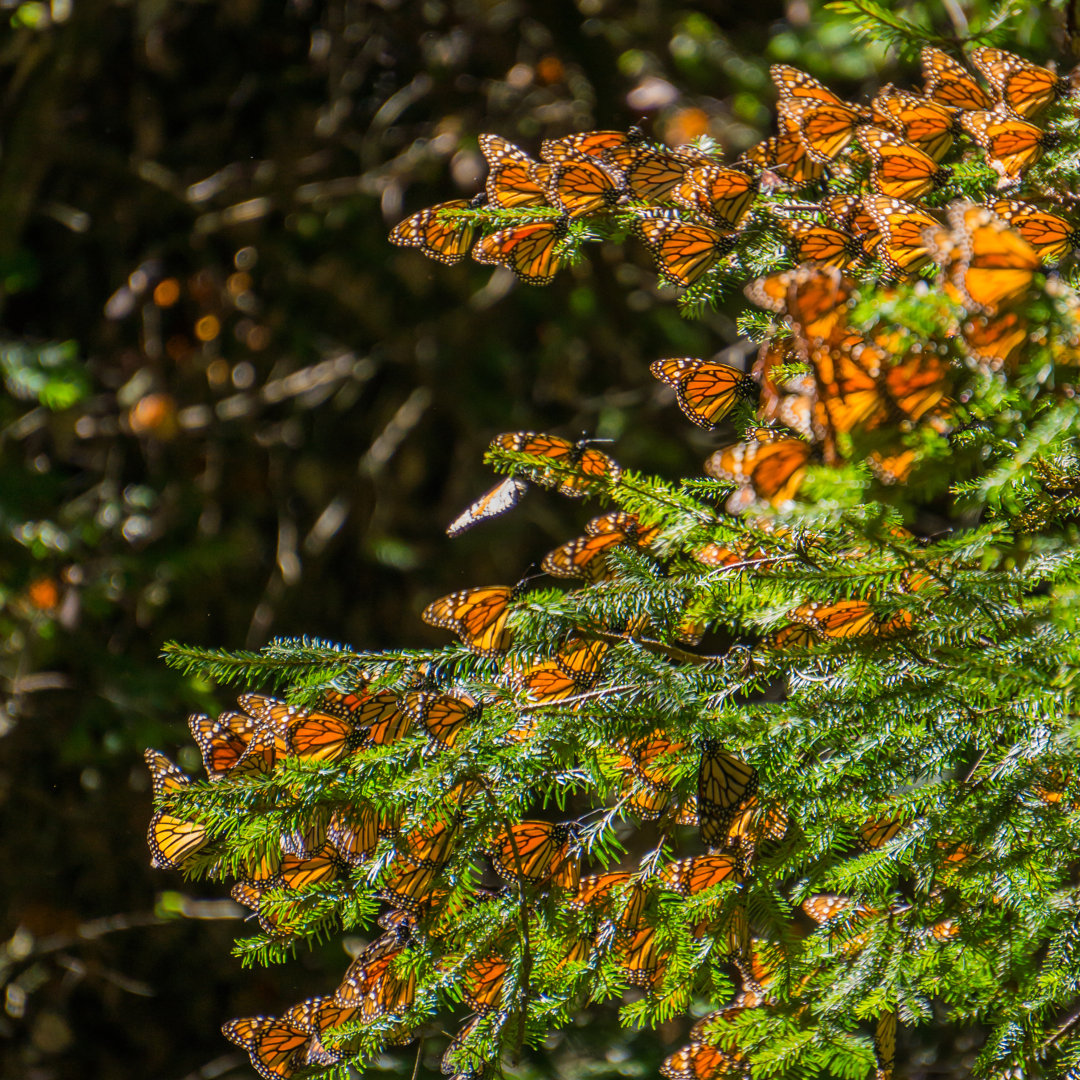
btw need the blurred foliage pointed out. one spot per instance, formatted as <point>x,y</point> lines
<point>231,410</point>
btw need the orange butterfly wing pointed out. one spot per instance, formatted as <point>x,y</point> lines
<point>478,616</point>
<point>951,83</point>
<point>529,250</point>
<point>684,252</point>
<point>706,391</point>
<point>437,232</point>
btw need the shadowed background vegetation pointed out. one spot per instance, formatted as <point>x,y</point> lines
<point>233,411</point>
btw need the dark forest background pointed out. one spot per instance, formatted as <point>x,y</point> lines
<point>232,411</point>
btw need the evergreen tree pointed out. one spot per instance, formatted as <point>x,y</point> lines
<point>798,747</point>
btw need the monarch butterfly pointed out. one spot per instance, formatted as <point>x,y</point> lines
<point>582,185</point>
<point>701,1061</point>
<point>443,716</point>
<point>172,840</point>
<point>815,296</point>
<point>988,263</point>
<point>438,232</point>
<point>223,741</point>
<point>786,155</point>
<point>901,171</point>
<point>842,619</point>
<point>825,127</point>
<point>700,872</point>
<point>514,178</point>
<point>375,714</point>
<point>825,906</point>
<point>297,872</point>
<point>723,194</point>
<point>482,982</point>
<point>724,784</point>
<point>848,213</point>
<point>921,121</point>
<point>640,959</point>
<point>544,683</point>
<point>529,250</point>
<point>951,83</point>
<point>354,832</point>
<point>903,249</point>
<point>1009,145</point>
<point>276,1048</point>
<point>754,823</point>
<point>323,737</point>
<point>654,760</point>
<point>317,1016</point>
<point>705,390</point>
<point>306,836</point>
<point>537,852</point>
<point>590,467</point>
<point>429,845</point>
<point>583,557</point>
<point>885,1044</point>
<point>504,496</point>
<point>683,251</point>
<point>823,244</point>
<point>1022,86</point>
<point>793,83</point>
<point>877,832</point>
<point>594,143</point>
<point>652,175</point>
<point>260,756</point>
<point>407,886</point>
<point>273,716</point>
<point>1051,236</point>
<point>595,891</point>
<point>770,467</point>
<point>478,616</point>
<point>370,984</point>
<point>995,340</point>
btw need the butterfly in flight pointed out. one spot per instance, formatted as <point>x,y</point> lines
<point>503,497</point>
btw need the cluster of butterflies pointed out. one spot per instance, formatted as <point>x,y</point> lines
<point>616,908</point>
<point>857,387</point>
<point>533,856</point>
<point>873,165</point>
